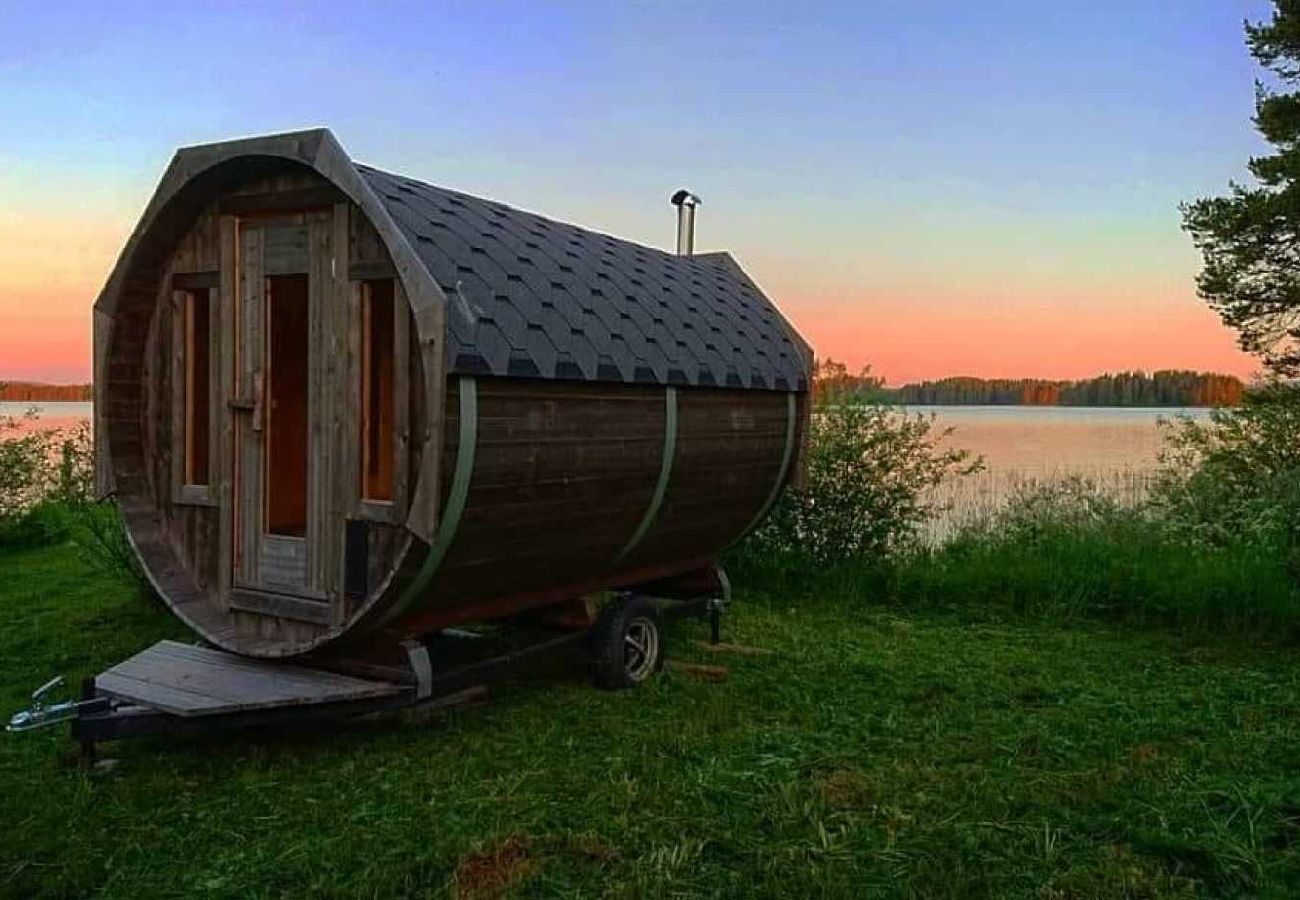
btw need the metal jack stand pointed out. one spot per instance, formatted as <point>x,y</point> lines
<point>717,605</point>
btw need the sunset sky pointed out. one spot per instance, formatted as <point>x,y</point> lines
<point>933,188</point>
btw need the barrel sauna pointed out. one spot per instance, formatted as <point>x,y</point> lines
<point>333,402</point>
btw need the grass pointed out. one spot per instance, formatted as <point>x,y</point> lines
<point>1118,568</point>
<point>875,752</point>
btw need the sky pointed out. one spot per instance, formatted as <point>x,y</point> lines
<point>928,188</point>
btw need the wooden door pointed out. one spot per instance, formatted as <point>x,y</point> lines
<point>281,515</point>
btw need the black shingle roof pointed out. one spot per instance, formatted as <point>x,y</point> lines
<point>531,297</point>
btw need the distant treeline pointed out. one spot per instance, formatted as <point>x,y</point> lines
<point>1168,387</point>
<point>1164,388</point>
<point>35,392</point>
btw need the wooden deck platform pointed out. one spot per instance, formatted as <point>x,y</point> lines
<point>197,681</point>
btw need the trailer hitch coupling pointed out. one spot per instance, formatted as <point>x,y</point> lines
<point>40,714</point>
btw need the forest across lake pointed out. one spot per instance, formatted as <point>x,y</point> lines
<point>1164,388</point>
<point>39,392</point>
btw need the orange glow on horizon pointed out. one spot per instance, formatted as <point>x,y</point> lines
<point>1030,339</point>
<point>906,328</point>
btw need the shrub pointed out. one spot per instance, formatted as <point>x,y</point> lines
<point>864,495</point>
<point>1237,476</point>
<point>24,465</point>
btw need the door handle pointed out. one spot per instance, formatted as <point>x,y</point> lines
<point>259,400</point>
<point>254,404</point>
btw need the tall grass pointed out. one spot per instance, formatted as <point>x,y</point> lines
<point>1121,565</point>
<point>959,503</point>
<point>1210,540</point>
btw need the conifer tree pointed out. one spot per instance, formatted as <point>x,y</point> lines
<point>1250,239</point>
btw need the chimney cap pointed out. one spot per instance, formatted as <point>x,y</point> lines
<point>685,198</point>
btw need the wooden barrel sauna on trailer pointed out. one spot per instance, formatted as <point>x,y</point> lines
<point>334,403</point>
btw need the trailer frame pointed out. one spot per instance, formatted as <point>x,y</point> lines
<point>433,676</point>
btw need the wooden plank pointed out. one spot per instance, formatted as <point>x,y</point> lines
<point>287,673</point>
<point>348,302</point>
<point>189,680</point>
<point>193,281</point>
<point>160,696</point>
<point>279,201</point>
<point>286,250</point>
<point>401,396</point>
<point>248,686</point>
<point>369,271</point>
<point>285,606</point>
<point>251,355</point>
<point>724,647</point>
<point>175,399</point>
<point>322,358</point>
<point>699,671</point>
<point>223,382</point>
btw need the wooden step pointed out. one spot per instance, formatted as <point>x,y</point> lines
<point>198,681</point>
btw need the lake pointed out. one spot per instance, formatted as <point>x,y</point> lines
<point>1046,440</point>
<point>51,415</point>
<point>1115,446</point>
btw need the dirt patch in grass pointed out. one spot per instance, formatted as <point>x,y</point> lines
<point>1144,753</point>
<point>846,789</point>
<point>494,870</point>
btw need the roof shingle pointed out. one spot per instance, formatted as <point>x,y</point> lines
<point>531,297</point>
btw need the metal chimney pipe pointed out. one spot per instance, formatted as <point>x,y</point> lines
<point>685,202</point>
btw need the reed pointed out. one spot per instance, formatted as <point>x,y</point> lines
<point>959,503</point>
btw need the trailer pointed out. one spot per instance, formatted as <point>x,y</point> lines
<point>174,688</point>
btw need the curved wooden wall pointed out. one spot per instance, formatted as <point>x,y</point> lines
<point>567,490</point>
<point>542,489</point>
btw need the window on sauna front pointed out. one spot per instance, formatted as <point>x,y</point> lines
<point>197,328</point>
<point>377,360</point>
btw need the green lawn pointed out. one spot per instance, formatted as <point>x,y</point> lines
<point>872,754</point>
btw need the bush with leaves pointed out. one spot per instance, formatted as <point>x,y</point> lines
<point>25,470</point>
<point>1237,475</point>
<point>869,468</point>
<point>47,496</point>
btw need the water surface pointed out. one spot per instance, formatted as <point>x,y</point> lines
<point>1043,440</point>
<point>62,414</point>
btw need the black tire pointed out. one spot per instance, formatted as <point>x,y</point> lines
<point>627,643</point>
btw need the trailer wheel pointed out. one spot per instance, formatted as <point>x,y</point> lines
<point>626,643</point>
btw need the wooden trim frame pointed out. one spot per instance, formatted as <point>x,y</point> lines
<point>186,289</point>
<point>394,510</point>
<point>227,341</point>
<point>197,177</point>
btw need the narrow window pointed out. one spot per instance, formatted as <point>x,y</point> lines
<point>377,390</point>
<point>198,331</point>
